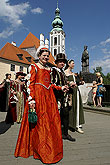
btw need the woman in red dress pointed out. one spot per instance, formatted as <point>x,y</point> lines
<point>44,139</point>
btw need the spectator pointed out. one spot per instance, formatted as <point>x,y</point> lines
<point>94,91</point>
<point>99,81</point>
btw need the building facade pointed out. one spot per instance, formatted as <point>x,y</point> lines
<point>14,59</point>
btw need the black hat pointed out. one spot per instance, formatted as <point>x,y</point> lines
<point>7,74</point>
<point>20,73</point>
<point>60,57</point>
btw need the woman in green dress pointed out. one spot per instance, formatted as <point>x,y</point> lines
<point>76,114</point>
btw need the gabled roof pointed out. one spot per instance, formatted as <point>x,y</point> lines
<point>11,52</point>
<point>33,41</point>
<point>30,41</point>
<point>51,59</point>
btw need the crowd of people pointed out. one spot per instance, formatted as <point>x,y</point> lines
<point>47,104</point>
<point>13,97</point>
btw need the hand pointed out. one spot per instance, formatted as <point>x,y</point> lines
<point>72,84</point>
<point>82,82</point>
<point>65,88</point>
<point>32,104</point>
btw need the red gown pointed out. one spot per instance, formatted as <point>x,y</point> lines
<point>44,139</point>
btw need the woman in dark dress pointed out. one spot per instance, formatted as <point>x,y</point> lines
<point>76,114</point>
<point>4,93</point>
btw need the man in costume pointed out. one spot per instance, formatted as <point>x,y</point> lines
<point>58,78</point>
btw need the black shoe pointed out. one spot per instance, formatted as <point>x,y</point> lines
<point>68,137</point>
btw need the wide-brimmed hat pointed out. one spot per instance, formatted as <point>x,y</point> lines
<point>7,74</point>
<point>20,73</point>
<point>41,47</point>
<point>61,57</point>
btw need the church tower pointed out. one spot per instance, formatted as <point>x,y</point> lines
<point>57,35</point>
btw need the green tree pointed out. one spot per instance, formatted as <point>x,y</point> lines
<point>99,69</point>
<point>106,78</point>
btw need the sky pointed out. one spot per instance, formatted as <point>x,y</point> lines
<point>86,22</point>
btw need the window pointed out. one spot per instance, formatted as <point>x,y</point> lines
<point>21,69</point>
<point>20,56</point>
<point>58,39</point>
<point>58,49</point>
<point>29,59</point>
<point>12,67</point>
<point>55,41</point>
<point>51,40</point>
<point>27,70</point>
<point>55,52</point>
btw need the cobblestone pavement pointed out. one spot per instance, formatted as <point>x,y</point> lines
<point>90,148</point>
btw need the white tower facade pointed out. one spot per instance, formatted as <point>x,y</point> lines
<point>57,35</point>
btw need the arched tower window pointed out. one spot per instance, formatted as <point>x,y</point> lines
<point>55,52</point>
<point>55,41</point>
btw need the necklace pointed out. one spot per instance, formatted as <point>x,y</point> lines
<point>44,65</point>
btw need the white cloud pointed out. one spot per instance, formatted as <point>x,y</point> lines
<point>104,63</point>
<point>6,33</point>
<point>11,14</point>
<point>105,51</point>
<point>106,57</point>
<point>93,47</point>
<point>103,43</point>
<point>37,10</point>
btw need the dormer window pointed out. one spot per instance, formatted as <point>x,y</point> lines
<point>29,59</point>
<point>36,60</point>
<point>20,56</point>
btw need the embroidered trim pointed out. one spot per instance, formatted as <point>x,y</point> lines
<point>28,83</point>
<point>32,101</point>
<point>28,91</point>
<point>44,85</point>
<point>29,98</point>
<point>56,69</point>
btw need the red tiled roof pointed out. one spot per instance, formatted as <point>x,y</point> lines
<point>51,59</point>
<point>30,41</point>
<point>10,52</point>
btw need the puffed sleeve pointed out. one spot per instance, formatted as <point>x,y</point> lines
<point>56,87</point>
<point>31,82</point>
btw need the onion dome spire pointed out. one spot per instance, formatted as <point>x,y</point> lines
<point>57,22</point>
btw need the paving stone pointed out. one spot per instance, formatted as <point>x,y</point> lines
<point>90,148</point>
